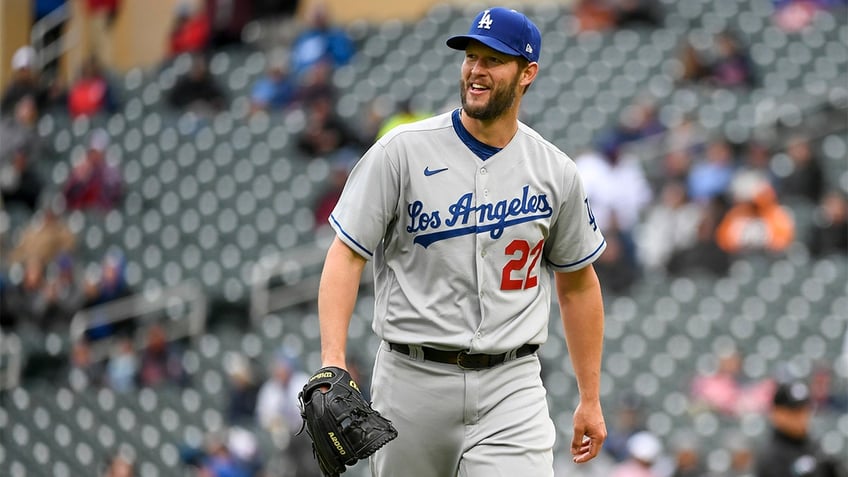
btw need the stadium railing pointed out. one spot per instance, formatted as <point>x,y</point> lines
<point>11,359</point>
<point>184,308</point>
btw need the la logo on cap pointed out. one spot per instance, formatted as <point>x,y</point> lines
<point>486,21</point>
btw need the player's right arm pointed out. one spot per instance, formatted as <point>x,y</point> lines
<point>337,294</point>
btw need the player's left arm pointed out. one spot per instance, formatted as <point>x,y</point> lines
<point>582,311</point>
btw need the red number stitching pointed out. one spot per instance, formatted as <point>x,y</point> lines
<point>530,279</point>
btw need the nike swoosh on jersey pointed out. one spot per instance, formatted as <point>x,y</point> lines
<point>428,172</point>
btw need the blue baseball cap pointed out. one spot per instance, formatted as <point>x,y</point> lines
<point>503,30</point>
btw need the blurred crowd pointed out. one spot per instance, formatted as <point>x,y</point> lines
<point>694,205</point>
<point>787,406</point>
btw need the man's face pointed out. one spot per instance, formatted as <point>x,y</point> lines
<point>489,82</point>
<point>791,421</point>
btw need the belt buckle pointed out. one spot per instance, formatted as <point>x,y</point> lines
<point>472,361</point>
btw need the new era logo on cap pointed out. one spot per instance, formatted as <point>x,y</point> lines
<point>504,30</point>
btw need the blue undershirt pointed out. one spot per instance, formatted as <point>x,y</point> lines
<point>481,150</point>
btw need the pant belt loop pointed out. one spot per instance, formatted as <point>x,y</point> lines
<point>510,355</point>
<point>416,353</point>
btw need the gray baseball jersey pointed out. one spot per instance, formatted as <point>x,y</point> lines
<point>463,247</point>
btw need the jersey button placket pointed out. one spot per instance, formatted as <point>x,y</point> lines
<point>482,196</point>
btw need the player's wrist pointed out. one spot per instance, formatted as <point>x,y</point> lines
<point>590,399</point>
<point>333,359</point>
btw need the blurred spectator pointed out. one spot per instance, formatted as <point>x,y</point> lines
<point>328,135</point>
<point>84,372</point>
<point>120,465</point>
<point>826,394</point>
<point>757,158</point>
<point>24,297</point>
<point>63,293</point>
<point>277,404</point>
<point>109,283</point>
<point>711,176</point>
<point>829,233</point>
<point>46,236</point>
<point>94,183</point>
<point>669,226</point>
<point>703,256</point>
<point>637,14</point>
<point>161,361</point>
<point>594,15</point>
<point>19,153</point>
<point>685,135</point>
<point>805,180</point>
<point>628,420</point>
<point>122,367</point>
<point>278,413</point>
<point>327,200</point>
<point>756,222</point>
<point>316,85</point>
<point>616,187</point>
<point>638,120</point>
<point>795,15</point>
<point>275,21</point>
<point>693,67</point>
<point>404,115</point>
<point>97,25</point>
<point>275,89</point>
<point>644,448</point>
<point>731,66</point>
<point>741,456</point>
<point>617,268</point>
<point>25,81</point>
<point>600,15</point>
<point>198,91</point>
<point>227,18</point>
<point>105,284</point>
<point>91,93</point>
<point>242,444</point>
<point>687,458</point>
<point>320,42</point>
<point>726,391</point>
<point>243,391</point>
<point>791,451</point>
<point>675,167</point>
<point>221,461</point>
<point>191,30</point>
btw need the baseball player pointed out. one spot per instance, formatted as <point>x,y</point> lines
<point>471,218</point>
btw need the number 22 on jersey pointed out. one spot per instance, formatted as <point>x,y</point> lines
<point>520,272</point>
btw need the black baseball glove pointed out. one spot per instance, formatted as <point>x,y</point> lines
<point>343,426</point>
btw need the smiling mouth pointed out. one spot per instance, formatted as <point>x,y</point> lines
<point>477,88</point>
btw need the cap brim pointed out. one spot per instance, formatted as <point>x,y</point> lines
<point>460,42</point>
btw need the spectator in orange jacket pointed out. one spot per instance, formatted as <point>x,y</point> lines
<point>756,221</point>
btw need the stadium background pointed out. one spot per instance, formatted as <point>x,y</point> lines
<point>220,245</point>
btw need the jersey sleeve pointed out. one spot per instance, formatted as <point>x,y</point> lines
<point>368,202</point>
<point>575,240</point>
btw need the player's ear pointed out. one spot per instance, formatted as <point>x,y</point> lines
<point>528,74</point>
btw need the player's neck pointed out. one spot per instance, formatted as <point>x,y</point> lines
<point>496,132</point>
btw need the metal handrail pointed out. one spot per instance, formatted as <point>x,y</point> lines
<point>135,307</point>
<point>299,287</point>
<point>48,53</point>
<point>11,360</point>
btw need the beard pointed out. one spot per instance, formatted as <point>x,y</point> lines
<point>500,100</point>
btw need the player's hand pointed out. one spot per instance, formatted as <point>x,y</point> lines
<point>590,431</point>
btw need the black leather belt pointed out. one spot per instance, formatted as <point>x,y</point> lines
<point>463,359</point>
